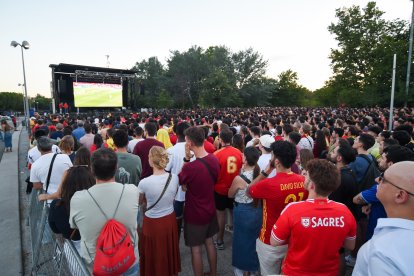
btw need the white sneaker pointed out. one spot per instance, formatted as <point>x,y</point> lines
<point>350,261</point>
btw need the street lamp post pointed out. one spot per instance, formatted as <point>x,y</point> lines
<point>24,105</point>
<point>26,46</point>
<point>410,50</point>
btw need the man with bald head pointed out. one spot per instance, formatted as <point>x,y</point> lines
<point>389,252</point>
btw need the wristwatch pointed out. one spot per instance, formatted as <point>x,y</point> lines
<point>264,173</point>
<point>186,160</point>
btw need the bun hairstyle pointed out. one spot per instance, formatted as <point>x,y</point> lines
<point>159,157</point>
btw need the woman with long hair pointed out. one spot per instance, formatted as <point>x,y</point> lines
<point>77,178</point>
<point>82,157</point>
<point>320,145</point>
<point>305,155</point>
<point>237,142</point>
<point>247,216</point>
<point>97,143</point>
<point>159,248</point>
<point>67,145</point>
<point>7,135</point>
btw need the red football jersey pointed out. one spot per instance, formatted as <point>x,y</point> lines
<point>277,192</point>
<point>230,160</point>
<point>315,230</point>
<point>209,147</point>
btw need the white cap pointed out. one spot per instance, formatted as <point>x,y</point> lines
<point>266,140</point>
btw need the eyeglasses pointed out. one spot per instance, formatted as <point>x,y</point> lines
<point>381,179</point>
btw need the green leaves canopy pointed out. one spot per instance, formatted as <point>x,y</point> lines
<point>362,62</point>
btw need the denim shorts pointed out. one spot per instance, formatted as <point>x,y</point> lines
<point>179,209</point>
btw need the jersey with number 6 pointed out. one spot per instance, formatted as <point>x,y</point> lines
<point>277,192</point>
<point>230,160</point>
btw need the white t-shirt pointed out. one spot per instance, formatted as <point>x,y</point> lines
<point>237,129</point>
<point>251,142</point>
<point>175,164</point>
<point>306,143</point>
<point>34,153</point>
<point>40,170</point>
<point>152,188</point>
<point>133,143</point>
<point>264,161</point>
<point>241,196</point>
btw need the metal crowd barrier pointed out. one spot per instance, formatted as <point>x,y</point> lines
<point>51,253</point>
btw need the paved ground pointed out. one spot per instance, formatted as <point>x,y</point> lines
<point>223,258</point>
<point>11,254</point>
<point>24,202</point>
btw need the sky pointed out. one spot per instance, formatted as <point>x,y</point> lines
<point>289,34</point>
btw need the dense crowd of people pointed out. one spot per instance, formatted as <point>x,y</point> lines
<point>309,191</point>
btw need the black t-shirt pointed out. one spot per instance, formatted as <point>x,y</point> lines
<point>247,139</point>
<point>410,145</point>
<point>347,190</point>
<point>59,220</point>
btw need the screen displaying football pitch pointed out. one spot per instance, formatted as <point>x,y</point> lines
<point>88,94</point>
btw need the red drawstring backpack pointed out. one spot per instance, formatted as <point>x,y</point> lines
<point>114,248</point>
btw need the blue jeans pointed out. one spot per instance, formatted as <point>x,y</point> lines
<point>179,209</point>
<point>133,270</point>
<point>8,139</point>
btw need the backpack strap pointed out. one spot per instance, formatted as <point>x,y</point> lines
<point>123,188</point>
<point>209,170</point>
<point>369,163</point>
<point>163,192</point>
<point>351,172</point>
<point>49,174</point>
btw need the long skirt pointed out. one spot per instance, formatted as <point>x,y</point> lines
<point>159,253</point>
<point>8,139</point>
<point>247,221</point>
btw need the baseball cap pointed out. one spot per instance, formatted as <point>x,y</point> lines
<point>266,141</point>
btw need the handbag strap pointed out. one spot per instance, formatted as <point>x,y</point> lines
<point>248,181</point>
<point>123,188</point>
<point>309,141</point>
<point>209,170</point>
<point>163,191</point>
<point>50,171</point>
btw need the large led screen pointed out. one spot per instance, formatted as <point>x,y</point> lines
<point>88,94</point>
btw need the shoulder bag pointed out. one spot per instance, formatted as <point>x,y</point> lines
<point>163,192</point>
<point>50,172</point>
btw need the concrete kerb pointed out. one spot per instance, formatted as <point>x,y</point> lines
<point>11,255</point>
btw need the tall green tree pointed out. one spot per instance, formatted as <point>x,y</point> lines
<point>11,101</point>
<point>249,65</point>
<point>289,92</point>
<point>151,79</point>
<point>362,62</point>
<point>185,72</point>
<point>40,103</point>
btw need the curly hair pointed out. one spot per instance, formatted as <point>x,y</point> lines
<point>159,157</point>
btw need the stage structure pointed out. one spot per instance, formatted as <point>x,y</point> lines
<point>86,87</point>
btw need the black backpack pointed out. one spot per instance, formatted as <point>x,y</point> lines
<point>370,175</point>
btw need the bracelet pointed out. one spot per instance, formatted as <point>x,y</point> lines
<point>186,160</point>
<point>264,173</point>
